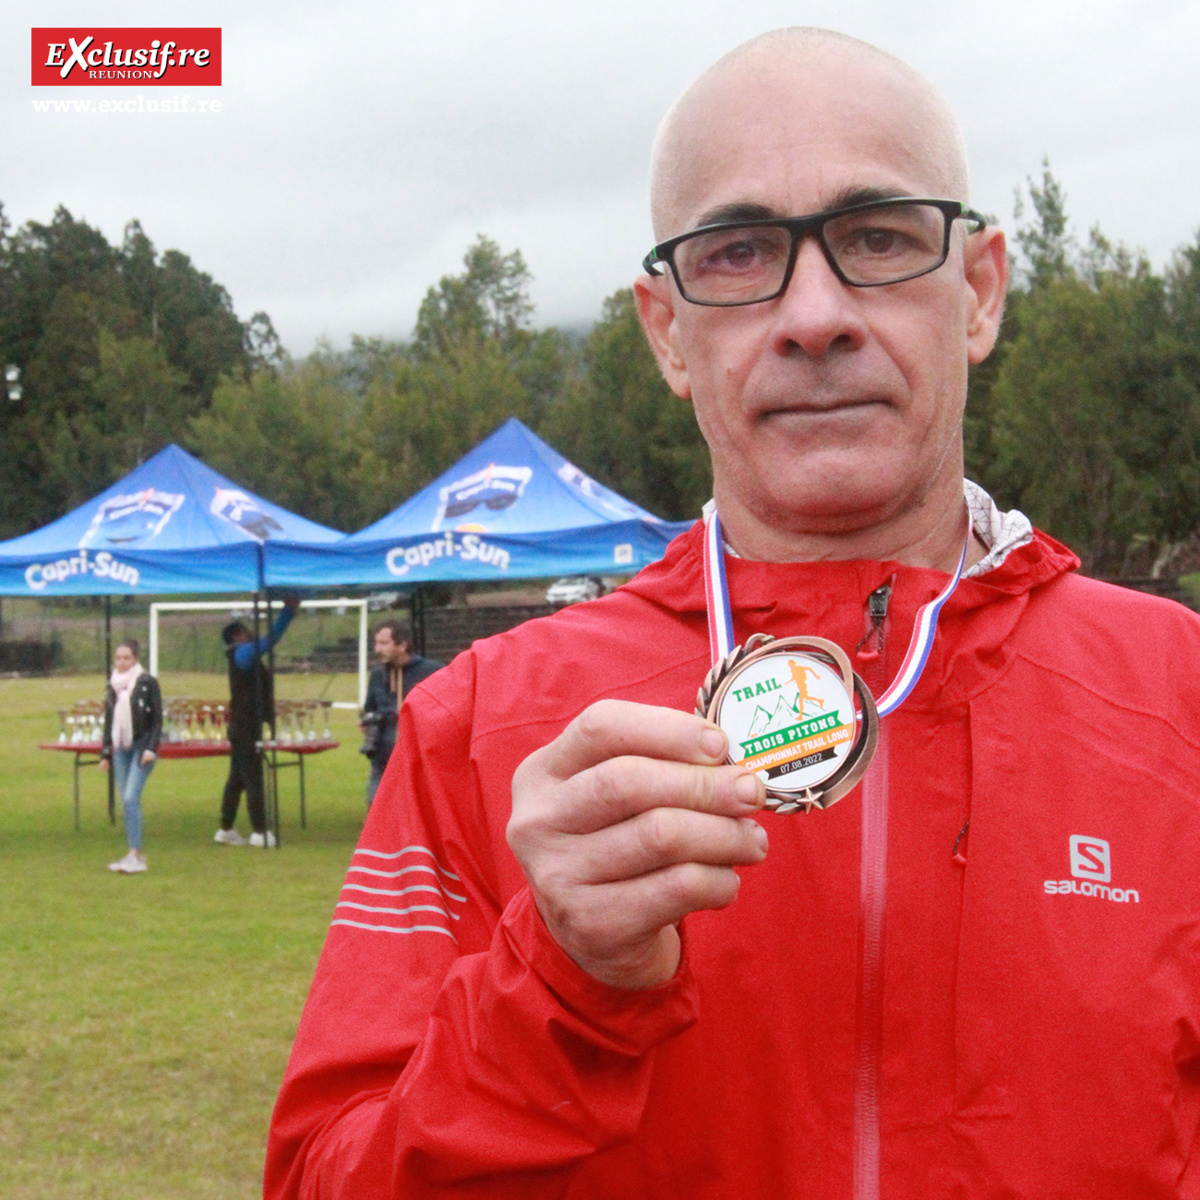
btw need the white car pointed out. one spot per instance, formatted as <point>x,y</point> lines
<point>573,588</point>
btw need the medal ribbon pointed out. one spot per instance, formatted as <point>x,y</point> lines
<point>720,617</point>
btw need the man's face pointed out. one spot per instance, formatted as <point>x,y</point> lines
<point>391,652</point>
<point>830,408</point>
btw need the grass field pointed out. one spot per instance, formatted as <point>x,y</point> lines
<point>147,1019</point>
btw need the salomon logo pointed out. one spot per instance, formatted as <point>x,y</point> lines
<point>1091,868</point>
<point>1090,858</point>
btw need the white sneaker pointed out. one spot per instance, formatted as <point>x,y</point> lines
<point>131,864</point>
<point>261,839</point>
<point>229,837</point>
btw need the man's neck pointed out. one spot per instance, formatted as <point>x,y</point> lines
<point>928,535</point>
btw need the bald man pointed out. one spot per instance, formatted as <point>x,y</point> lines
<point>582,952</point>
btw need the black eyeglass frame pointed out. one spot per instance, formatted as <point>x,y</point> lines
<point>802,227</point>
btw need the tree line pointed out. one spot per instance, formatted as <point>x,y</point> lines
<point>1087,416</point>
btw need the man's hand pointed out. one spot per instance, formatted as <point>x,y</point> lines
<point>103,764</point>
<point>626,822</point>
<point>148,757</point>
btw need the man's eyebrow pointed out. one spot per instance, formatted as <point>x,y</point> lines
<point>866,195</point>
<point>723,214</point>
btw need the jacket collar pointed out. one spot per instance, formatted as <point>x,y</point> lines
<point>828,599</point>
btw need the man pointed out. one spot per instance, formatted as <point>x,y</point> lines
<point>976,975</point>
<point>251,704</point>
<point>399,671</point>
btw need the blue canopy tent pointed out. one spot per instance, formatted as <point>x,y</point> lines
<point>512,508</point>
<point>171,525</point>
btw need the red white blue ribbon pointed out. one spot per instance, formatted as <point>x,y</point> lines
<point>720,617</point>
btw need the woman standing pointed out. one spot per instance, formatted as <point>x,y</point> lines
<point>132,728</point>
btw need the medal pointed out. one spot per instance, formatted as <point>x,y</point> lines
<point>793,708</point>
<point>787,706</point>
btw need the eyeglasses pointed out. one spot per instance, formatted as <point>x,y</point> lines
<point>866,245</point>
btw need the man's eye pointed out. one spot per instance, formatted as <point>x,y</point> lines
<point>877,242</point>
<point>744,252</point>
<point>730,256</point>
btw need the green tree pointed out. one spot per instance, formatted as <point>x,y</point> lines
<point>489,300</point>
<point>1081,413</point>
<point>474,361</point>
<point>1046,246</point>
<point>621,423</point>
<point>117,348</point>
<point>1087,415</point>
<point>292,434</point>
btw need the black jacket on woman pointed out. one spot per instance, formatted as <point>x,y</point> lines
<point>146,707</point>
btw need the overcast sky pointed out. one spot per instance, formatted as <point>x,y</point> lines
<point>360,148</point>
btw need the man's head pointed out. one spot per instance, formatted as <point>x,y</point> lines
<point>829,410</point>
<point>235,633</point>
<point>393,642</point>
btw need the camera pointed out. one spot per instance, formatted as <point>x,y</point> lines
<point>372,727</point>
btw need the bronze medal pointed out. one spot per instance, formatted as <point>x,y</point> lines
<point>788,707</point>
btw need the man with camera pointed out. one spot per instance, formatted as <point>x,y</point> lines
<point>398,672</point>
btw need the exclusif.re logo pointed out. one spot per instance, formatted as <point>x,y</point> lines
<point>87,57</point>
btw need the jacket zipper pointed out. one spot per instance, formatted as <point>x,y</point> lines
<point>871,922</point>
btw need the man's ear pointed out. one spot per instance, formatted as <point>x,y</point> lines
<point>985,260</point>
<point>656,311</point>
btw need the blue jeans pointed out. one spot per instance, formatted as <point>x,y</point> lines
<point>130,775</point>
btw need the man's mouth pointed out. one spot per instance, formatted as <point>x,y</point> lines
<point>823,407</point>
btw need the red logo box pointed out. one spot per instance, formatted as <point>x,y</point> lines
<point>88,57</point>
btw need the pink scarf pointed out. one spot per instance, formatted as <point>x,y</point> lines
<point>122,722</point>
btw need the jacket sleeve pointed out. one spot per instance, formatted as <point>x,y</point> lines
<point>246,654</point>
<point>449,1047</point>
<point>154,697</point>
<point>110,700</point>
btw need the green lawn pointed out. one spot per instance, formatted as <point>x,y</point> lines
<point>147,1019</point>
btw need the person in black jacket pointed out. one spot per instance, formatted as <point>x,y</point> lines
<point>132,730</point>
<point>251,705</point>
<point>399,671</point>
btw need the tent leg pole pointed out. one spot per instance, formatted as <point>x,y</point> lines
<point>112,783</point>
<point>419,620</point>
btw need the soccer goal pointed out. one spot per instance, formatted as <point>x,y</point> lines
<point>247,606</point>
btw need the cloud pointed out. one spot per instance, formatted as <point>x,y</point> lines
<point>360,149</point>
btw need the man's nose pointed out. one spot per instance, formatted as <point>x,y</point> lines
<point>818,313</point>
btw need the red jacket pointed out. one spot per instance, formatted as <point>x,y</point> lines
<point>891,1007</point>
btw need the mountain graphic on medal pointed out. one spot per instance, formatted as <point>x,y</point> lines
<point>789,709</point>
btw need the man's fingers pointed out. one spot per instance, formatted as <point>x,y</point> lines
<point>666,837</point>
<point>616,728</point>
<point>605,919</point>
<point>613,791</point>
